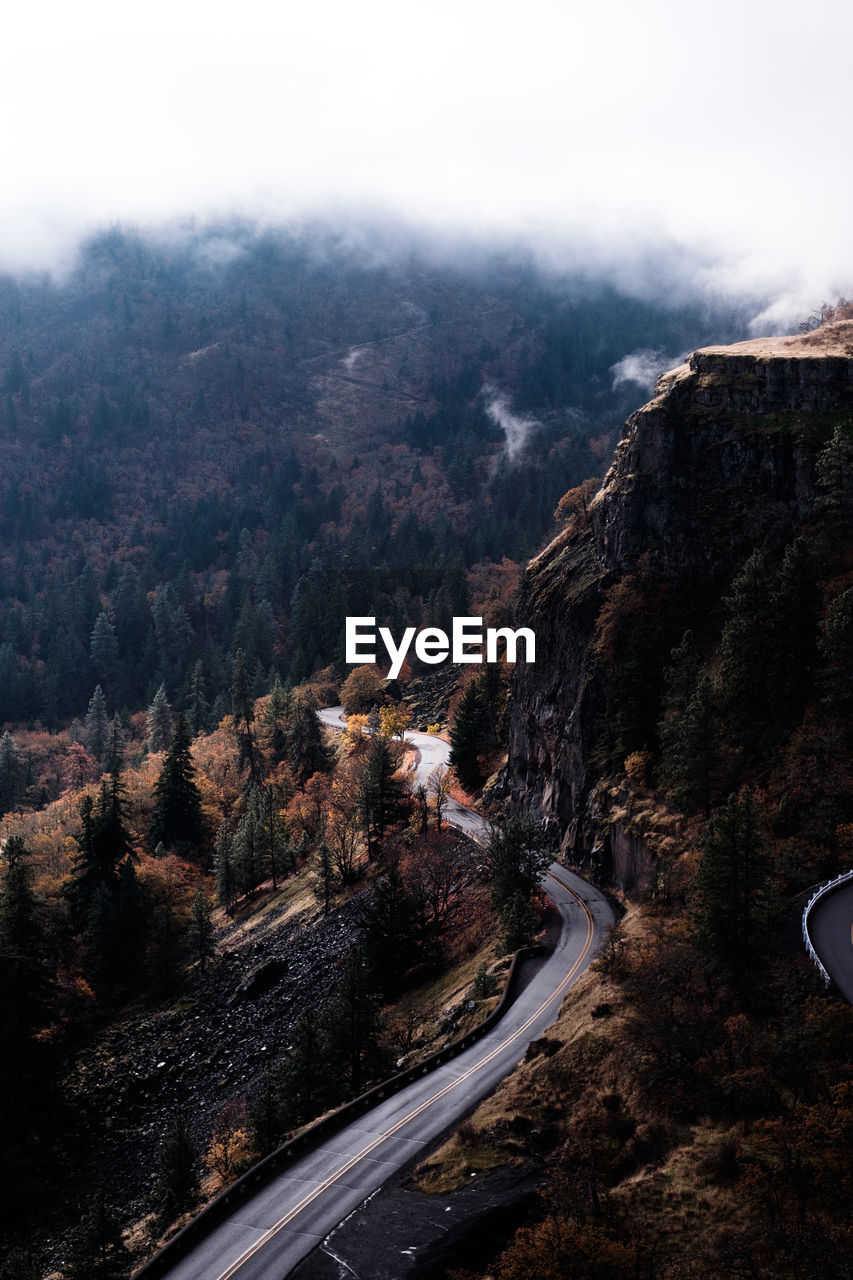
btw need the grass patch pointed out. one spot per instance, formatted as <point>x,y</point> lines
<point>813,428</point>
<point>268,910</point>
<point>441,1007</point>
<point>469,1151</point>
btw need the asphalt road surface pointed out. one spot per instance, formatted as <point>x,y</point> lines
<point>831,932</point>
<point>267,1236</point>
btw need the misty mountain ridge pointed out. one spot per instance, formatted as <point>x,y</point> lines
<point>286,428</point>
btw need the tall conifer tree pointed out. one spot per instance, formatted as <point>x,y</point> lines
<point>159,721</point>
<point>177,819</point>
<point>97,725</point>
<point>243,709</point>
<point>734,887</point>
<point>198,708</point>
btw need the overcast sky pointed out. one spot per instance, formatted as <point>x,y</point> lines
<point>725,124</point>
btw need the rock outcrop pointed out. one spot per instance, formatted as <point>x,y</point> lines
<point>721,460</point>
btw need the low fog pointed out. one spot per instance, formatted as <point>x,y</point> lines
<point>517,428</point>
<point>643,368</point>
<point>696,150</point>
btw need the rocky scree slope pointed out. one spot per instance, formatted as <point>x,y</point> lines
<point>212,1046</point>
<point>722,460</point>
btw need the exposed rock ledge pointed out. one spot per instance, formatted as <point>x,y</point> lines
<point>720,461</point>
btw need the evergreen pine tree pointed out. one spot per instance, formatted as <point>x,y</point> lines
<point>86,872</point>
<point>115,743</point>
<point>159,721</point>
<point>85,599</point>
<point>113,840</point>
<point>10,773</point>
<point>687,729</point>
<point>130,927</point>
<point>11,692</point>
<point>48,705</point>
<point>834,473</point>
<point>469,736</point>
<point>132,620</point>
<point>270,829</point>
<point>103,650</point>
<point>746,656</point>
<point>353,1027</point>
<point>680,679</point>
<point>14,850</point>
<point>96,1250</point>
<point>324,875</point>
<point>697,750</point>
<point>102,940</point>
<point>518,860</point>
<point>243,710</point>
<point>198,708</point>
<point>177,819</point>
<point>423,807</point>
<point>276,716</point>
<point>392,933</point>
<point>380,793</point>
<point>248,852</point>
<point>25,984</point>
<point>265,1125</point>
<point>836,650</point>
<point>518,924</point>
<point>733,884</point>
<point>19,1265</point>
<point>795,605</point>
<point>104,843</point>
<point>173,635</point>
<point>201,930</point>
<point>97,725</point>
<point>224,868</point>
<point>178,1182</point>
<point>634,698</point>
<point>299,1087</point>
<point>306,751</point>
<point>495,693</point>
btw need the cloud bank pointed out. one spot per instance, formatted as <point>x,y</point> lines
<point>721,130</point>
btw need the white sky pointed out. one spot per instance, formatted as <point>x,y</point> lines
<point>725,123</point>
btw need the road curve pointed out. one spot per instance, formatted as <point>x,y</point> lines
<point>831,932</point>
<point>433,753</point>
<point>267,1236</point>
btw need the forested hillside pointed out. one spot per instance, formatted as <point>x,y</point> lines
<point>203,947</point>
<point>233,439</point>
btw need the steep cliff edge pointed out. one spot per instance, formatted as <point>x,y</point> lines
<point>720,462</point>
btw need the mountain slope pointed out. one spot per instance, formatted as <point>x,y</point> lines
<point>233,439</point>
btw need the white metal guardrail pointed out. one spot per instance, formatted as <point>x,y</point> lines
<point>819,893</point>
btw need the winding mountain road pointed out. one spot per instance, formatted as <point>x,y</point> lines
<point>433,753</point>
<point>268,1235</point>
<point>831,931</point>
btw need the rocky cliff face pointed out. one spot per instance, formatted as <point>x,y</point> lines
<point>720,461</point>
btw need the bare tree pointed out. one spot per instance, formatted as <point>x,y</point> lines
<point>444,868</point>
<point>438,786</point>
<point>343,829</point>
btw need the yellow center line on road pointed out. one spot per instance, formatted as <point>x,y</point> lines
<point>416,1111</point>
